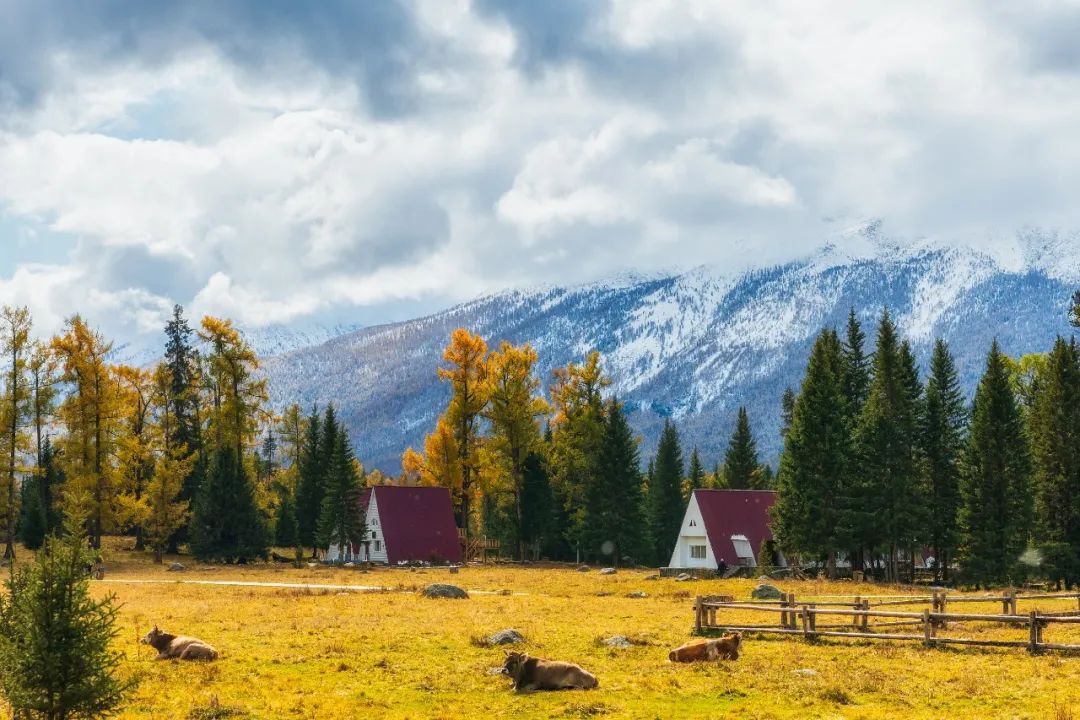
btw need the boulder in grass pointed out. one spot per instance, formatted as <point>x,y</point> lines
<point>508,636</point>
<point>637,595</point>
<point>765,591</point>
<point>685,577</point>
<point>617,641</point>
<point>444,590</point>
<point>584,568</point>
<point>176,567</point>
<point>607,571</point>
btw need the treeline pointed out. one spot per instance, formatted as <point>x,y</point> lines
<point>183,453</point>
<point>560,477</point>
<point>879,464</point>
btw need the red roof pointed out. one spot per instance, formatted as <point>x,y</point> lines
<point>735,512</point>
<point>417,523</point>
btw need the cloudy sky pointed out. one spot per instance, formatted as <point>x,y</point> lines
<point>284,162</point>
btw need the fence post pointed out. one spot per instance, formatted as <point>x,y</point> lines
<point>1033,632</point>
<point>783,612</point>
<point>926,627</point>
<point>697,614</point>
<point>791,615</point>
<point>1012,601</point>
<point>813,620</point>
<point>866,618</point>
<point>855,618</point>
<point>1005,602</point>
<point>805,622</point>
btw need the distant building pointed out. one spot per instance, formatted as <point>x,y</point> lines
<point>405,524</point>
<point>724,527</point>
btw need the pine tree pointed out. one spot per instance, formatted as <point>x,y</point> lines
<point>741,466</point>
<point>537,506</point>
<point>15,411</point>
<point>1074,320</point>
<point>666,506</point>
<point>181,401</point>
<point>227,526</point>
<point>56,656</point>
<point>887,498</point>
<point>808,512</point>
<point>341,520</point>
<point>787,410</point>
<point>695,475</point>
<point>995,510</point>
<point>942,440</point>
<point>856,366</point>
<point>33,518</point>
<point>1055,444</point>
<point>615,508</point>
<point>285,531</point>
<point>166,510</point>
<point>311,481</point>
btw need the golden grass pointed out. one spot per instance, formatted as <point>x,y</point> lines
<point>327,654</point>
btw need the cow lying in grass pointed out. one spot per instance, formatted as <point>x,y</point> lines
<point>723,648</point>
<point>529,673</point>
<point>174,647</point>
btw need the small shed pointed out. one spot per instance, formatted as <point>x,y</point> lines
<point>405,525</point>
<point>724,527</point>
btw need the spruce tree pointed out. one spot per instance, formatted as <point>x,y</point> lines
<point>666,506</point>
<point>856,365</point>
<point>741,466</point>
<point>1055,445</point>
<point>227,525</point>
<point>285,530</point>
<point>807,514</point>
<point>537,506</point>
<point>1074,313</point>
<point>695,475</point>
<point>616,501</point>
<point>941,437</point>
<point>33,518</point>
<point>314,459</point>
<point>56,655</point>
<point>885,503</point>
<point>341,519</point>
<point>995,510</point>
<point>787,410</point>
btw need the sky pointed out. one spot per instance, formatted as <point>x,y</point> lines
<point>336,161</point>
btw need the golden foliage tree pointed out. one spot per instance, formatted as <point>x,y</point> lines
<point>91,412</point>
<point>514,411</point>
<point>14,344</point>
<point>237,394</point>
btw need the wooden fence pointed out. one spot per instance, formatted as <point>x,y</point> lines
<point>861,617</point>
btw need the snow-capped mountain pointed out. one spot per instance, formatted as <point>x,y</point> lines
<point>696,345</point>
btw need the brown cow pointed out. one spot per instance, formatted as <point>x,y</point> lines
<point>724,648</point>
<point>173,647</point>
<point>531,673</point>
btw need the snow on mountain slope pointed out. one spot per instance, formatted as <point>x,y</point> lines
<point>696,345</point>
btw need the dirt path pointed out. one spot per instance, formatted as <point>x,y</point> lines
<point>285,586</point>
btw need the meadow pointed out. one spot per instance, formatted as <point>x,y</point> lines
<point>329,654</point>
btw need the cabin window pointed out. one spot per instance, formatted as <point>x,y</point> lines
<point>378,546</point>
<point>374,535</point>
<point>693,523</point>
<point>697,552</point>
<point>743,550</point>
<point>375,521</point>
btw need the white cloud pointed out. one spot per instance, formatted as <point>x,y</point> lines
<point>658,133</point>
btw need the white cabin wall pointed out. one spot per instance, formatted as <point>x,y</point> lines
<point>692,532</point>
<point>375,530</point>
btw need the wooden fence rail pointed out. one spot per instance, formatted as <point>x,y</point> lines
<point>802,619</point>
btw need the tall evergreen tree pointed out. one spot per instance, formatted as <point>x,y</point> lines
<point>787,410</point>
<point>227,525</point>
<point>807,515</point>
<point>182,402</point>
<point>285,531</point>
<point>314,454</point>
<point>941,437</point>
<point>995,510</point>
<point>886,500</point>
<point>741,467</point>
<point>341,519</point>
<point>537,507</point>
<point>1055,444</point>
<point>33,518</point>
<point>666,506</point>
<point>695,475</point>
<point>856,365</point>
<point>616,501</point>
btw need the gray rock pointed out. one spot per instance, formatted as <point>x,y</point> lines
<point>617,641</point>
<point>350,565</point>
<point>584,568</point>
<point>607,571</point>
<point>637,595</point>
<point>765,591</point>
<point>685,577</point>
<point>443,590</point>
<point>176,567</point>
<point>508,636</point>
<point>652,577</point>
<point>454,569</point>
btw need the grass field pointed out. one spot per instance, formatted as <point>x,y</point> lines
<point>328,654</point>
